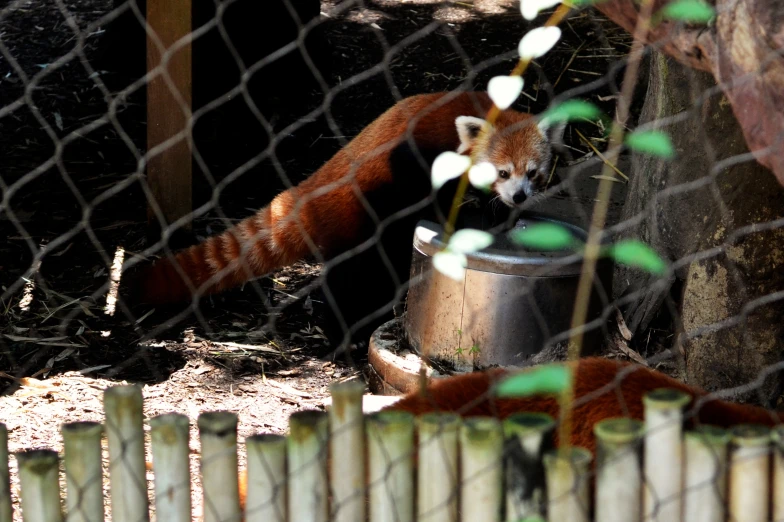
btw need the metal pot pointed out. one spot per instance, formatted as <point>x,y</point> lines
<point>512,303</point>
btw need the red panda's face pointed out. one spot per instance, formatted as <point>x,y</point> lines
<point>520,152</point>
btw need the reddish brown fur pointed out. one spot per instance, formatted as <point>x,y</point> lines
<point>330,221</point>
<point>602,389</point>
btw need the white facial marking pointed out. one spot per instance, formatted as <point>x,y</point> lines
<point>518,181</point>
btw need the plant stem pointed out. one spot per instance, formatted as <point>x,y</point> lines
<point>593,244</point>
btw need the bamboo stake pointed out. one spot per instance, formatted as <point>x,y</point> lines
<point>169,438</point>
<point>40,485</point>
<point>390,438</point>
<point>619,470</point>
<point>6,508</point>
<point>663,449</point>
<point>347,441</point>
<point>749,473</point>
<point>481,469</point>
<point>127,468</point>
<point>437,486</point>
<point>83,471</point>
<point>528,436</point>
<point>778,472</point>
<point>218,435</point>
<point>705,483</point>
<point>567,484</point>
<point>307,466</point>
<point>266,493</point>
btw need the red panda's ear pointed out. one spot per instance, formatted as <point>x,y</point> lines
<point>552,131</point>
<point>468,129</point>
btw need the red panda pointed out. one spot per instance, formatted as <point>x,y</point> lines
<point>377,176</point>
<point>603,389</point>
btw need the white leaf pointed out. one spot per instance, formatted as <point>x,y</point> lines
<point>530,8</point>
<point>469,240</point>
<point>482,175</point>
<point>537,42</point>
<point>504,90</point>
<point>448,165</point>
<point>450,264</point>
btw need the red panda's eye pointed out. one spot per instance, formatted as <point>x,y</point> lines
<point>503,174</point>
<point>531,173</point>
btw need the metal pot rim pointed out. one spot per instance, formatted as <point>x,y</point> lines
<point>505,258</point>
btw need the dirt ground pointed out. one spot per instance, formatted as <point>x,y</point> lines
<point>259,351</point>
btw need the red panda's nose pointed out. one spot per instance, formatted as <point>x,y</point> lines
<point>519,197</point>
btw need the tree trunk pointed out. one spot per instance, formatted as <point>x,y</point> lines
<point>712,212</point>
<point>744,51</point>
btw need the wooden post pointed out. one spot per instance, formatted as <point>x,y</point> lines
<point>83,475</point>
<point>663,454</point>
<point>481,469</point>
<point>749,480</point>
<point>705,479</point>
<point>218,436</point>
<point>169,438</point>
<point>437,480</point>
<point>40,489</point>
<point>390,446</point>
<point>528,437</point>
<point>618,470</point>
<point>307,446</point>
<point>169,171</point>
<point>6,510</point>
<point>347,444</point>
<point>123,407</point>
<point>567,476</point>
<point>266,493</point>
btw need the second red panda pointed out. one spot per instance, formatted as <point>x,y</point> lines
<point>603,389</point>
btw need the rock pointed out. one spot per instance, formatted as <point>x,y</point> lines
<point>712,211</point>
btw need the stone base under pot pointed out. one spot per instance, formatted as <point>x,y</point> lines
<point>394,367</point>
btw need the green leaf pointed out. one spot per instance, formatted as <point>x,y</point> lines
<point>547,379</point>
<point>637,254</point>
<point>543,236</point>
<point>571,110</point>
<point>691,11</point>
<point>651,142</point>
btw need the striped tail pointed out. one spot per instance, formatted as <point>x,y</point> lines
<point>268,240</point>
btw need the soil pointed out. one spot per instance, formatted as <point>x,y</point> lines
<point>71,199</point>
